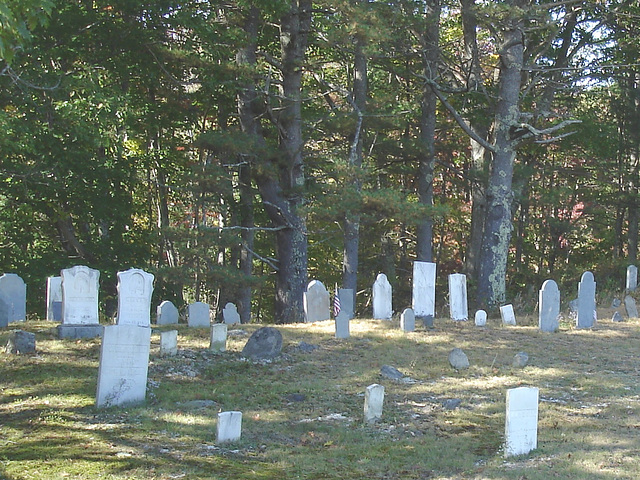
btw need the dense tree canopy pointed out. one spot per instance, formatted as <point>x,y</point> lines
<point>239,149</point>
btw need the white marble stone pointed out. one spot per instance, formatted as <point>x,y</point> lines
<point>229,427</point>
<point>586,301</point>
<point>408,320</point>
<point>424,291</point>
<point>373,400</point>
<point>54,299</point>
<point>507,315</point>
<point>342,325</point>
<point>124,362</point>
<point>135,287</point>
<point>13,293</point>
<point>80,287</point>
<point>198,315</point>
<point>548,306</point>
<point>382,298</point>
<point>169,343</point>
<point>316,302</point>
<point>458,306</point>
<point>480,318</point>
<point>230,314</point>
<point>218,337</point>
<point>632,278</point>
<point>166,313</point>
<point>521,425</point>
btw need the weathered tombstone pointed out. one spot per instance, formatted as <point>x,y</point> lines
<point>521,426</point>
<point>586,301</point>
<point>617,317</point>
<point>80,303</point>
<point>632,278</point>
<point>408,320</point>
<point>458,297</point>
<point>548,306</point>
<point>424,292</point>
<point>507,315</point>
<point>166,313</point>
<point>168,343</point>
<point>229,427</point>
<point>4,314</point>
<point>54,299</point>
<point>520,360</point>
<point>342,325</point>
<point>630,306</point>
<point>458,359</point>
<point>373,400</point>
<point>198,315</point>
<point>266,342</point>
<point>316,302</point>
<point>347,301</point>
<point>481,318</point>
<point>13,291</point>
<point>382,298</point>
<point>21,342</point>
<point>135,287</point>
<point>230,314</point>
<point>218,337</point>
<point>124,363</point>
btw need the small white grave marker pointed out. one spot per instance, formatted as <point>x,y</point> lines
<point>508,317</point>
<point>218,337</point>
<point>408,320</point>
<point>481,318</point>
<point>168,343</point>
<point>373,400</point>
<point>521,426</point>
<point>229,426</point>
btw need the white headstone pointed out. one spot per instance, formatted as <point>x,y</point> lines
<point>316,302</point>
<point>229,426</point>
<point>168,343</point>
<point>347,301</point>
<point>481,318</point>
<point>373,400</point>
<point>424,291</point>
<point>548,306</point>
<point>586,301</point>
<point>54,299</point>
<point>521,426</point>
<point>342,325</point>
<point>382,298</point>
<point>218,337</point>
<point>408,320</point>
<point>632,278</point>
<point>458,297</point>
<point>80,295</point>
<point>230,314</point>
<point>198,315</point>
<point>508,317</point>
<point>124,362</point>
<point>166,313</point>
<point>135,287</point>
<point>630,306</point>
<point>13,293</point>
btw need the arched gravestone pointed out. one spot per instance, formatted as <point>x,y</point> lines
<point>316,302</point>
<point>80,295</point>
<point>382,298</point>
<point>408,320</point>
<point>166,313</point>
<point>586,301</point>
<point>548,306</point>
<point>135,287</point>
<point>230,314</point>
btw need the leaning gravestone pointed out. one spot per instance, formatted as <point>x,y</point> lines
<point>21,342</point>
<point>373,401</point>
<point>586,301</point>
<point>168,343</point>
<point>135,287</point>
<point>229,427</point>
<point>481,318</point>
<point>632,278</point>
<point>507,315</point>
<point>80,303</point>
<point>521,426</point>
<point>347,302</point>
<point>54,299</point>
<point>382,298</point>
<point>265,343</point>
<point>407,320</point>
<point>630,306</point>
<point>230,314</point>
<point>218,341</point>
<point>617,317</point>
<point>342,325</point>
<point>13,292</point>
<point>124,363</point>
<point>458,297</point>
<point>198,315</point>
<point>424,292</point>
<point>549,306</point>
<point>316,303</point>
<point>166,313</point>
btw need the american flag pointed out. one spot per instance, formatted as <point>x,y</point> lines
<point>336,303</point>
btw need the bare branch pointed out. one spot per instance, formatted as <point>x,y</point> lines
<point>268,261</point>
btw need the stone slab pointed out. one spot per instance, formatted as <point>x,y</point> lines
<point>229,427</point>
<point>198,315</point>
<point>458,306</point>
<point>424,290</point>
<point>521,425</point>
<point>218,341</point>
<point>169,343</point>
<point>373,401</point>
<point>507,315</point>
<point>79,331</point>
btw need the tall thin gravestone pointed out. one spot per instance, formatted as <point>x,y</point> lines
<point>521,426</point>
<point>342,325</point>
<point>135,287</point>
<point>548,306</point>
<point>316,303</point>
<point>586,301</point>
<point>458,306</point>
<point>507,314</point>
<point>168,343</point>
<point>124,363</point>
<point>373,400</point>
<point>166,313</point>
<point>382,298</point>
<point>630,306</point>
<point>80,319</point>
<point>408,320</point>
<point>632,278</point>
<point>54,299</point>
<point>198,315</point>
<point>13,293</point>
<point>424,292</point>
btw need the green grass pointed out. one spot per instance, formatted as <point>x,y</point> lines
<point>589,424</point>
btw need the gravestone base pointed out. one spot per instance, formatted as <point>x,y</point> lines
<point>79,331</point>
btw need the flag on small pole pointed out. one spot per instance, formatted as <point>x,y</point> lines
<point>336,302</point>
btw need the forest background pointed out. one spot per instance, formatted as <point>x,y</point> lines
<point>238,149</point>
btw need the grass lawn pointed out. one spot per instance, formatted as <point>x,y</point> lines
<point>303,412</point>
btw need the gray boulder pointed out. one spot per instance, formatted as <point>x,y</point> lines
<point>458,359</point>
<point>266,342</point>
<point>21,342</point>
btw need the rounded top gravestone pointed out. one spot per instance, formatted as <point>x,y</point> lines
<point>266,342</point>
